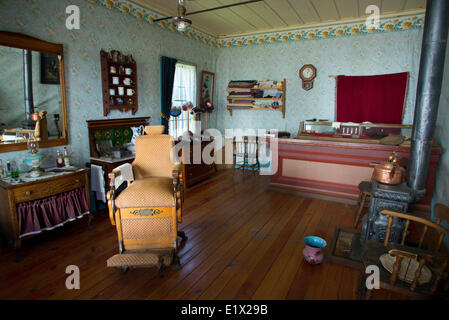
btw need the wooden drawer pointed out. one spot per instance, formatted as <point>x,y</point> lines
<point>193,169</point>
<point>49,188</point>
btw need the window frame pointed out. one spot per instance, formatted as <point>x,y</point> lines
<point>173,123</point>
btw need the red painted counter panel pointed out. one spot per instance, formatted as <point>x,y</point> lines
<point>334,168</point>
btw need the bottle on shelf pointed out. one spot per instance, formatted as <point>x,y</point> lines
<point>14,170</point>
<point>2,169</point>
<point>8,168</point>
<point>66,158</point>
<point>59,159</point>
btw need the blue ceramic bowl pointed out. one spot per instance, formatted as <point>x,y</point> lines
<point>315,242</point>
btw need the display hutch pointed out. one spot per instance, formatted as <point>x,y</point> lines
<point>119,82</point>
<point>119,132</point>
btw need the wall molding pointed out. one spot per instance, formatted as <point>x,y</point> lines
<point>327,31</point>
<point>330,31</point>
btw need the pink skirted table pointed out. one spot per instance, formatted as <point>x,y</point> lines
<point>32,206</point>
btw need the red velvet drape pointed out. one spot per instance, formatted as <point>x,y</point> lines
<point>377,99</point>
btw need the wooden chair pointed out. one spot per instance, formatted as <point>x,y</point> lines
<point>146,214</point>
<point>252,153</point>
<point>248,152</point>
<point>239,154</point>
<point>418,259</point>
<point>365,192</point>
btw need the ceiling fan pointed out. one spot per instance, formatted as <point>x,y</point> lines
<point>182,23</point>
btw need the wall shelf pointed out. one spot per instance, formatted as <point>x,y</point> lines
<point>110,100</point>
<point>249,106</point>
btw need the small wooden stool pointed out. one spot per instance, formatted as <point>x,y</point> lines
<point>365,191</point>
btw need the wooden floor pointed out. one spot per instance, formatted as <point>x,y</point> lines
<point>244,243</point>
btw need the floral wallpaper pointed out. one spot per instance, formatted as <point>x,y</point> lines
<point>100,28</point>
<point>378,53</point>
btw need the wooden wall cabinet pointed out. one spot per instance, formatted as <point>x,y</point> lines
<point>116,71</point>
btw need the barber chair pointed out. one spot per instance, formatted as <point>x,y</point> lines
<point>146,214</point>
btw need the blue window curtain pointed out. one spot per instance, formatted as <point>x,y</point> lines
<point>168,67</point>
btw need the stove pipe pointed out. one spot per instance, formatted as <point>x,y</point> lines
<point>428,93</point>
<point>28,89</point>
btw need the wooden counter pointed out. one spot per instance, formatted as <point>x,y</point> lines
<point>12,194</point>
<point>334,168</point>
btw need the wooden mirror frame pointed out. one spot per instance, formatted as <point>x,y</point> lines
<point>21,41</point>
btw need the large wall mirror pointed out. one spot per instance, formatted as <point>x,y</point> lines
<point>32,92</point>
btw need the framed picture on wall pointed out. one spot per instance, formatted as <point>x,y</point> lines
<point>207,88</point>
<point>49,68</point>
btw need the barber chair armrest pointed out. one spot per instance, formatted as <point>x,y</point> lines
<point>117,177</point>
<point>114,174</point>
<point>121,174</point>
<point>177,175</point>
<point>111,205</point>
<point>110,196</point>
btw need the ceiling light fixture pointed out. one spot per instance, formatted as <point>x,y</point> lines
<point>181,22</point>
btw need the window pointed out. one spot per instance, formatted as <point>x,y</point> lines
<point>184,90</point>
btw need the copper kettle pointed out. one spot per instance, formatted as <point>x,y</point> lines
<point>389,172</point>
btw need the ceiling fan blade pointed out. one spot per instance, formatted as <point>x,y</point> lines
<point>224,7</point>
<point>212,9</point>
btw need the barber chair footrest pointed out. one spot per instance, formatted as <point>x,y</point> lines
<point>139,260</point>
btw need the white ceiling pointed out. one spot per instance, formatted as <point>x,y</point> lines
<point>271,15</point>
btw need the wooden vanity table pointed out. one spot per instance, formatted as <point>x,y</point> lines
<point>31,206</point>
<point>14,194</point>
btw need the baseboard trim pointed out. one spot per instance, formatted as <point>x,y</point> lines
<point>313,195</point>
<point>223,166</point>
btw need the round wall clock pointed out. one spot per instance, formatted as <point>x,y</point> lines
<point>307,74</point>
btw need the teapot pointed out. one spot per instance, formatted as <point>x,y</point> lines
<point>389,172</point>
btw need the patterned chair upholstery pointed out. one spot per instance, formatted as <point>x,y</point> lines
<point>146,214</point>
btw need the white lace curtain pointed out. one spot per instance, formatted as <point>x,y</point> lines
<point>184,90</point>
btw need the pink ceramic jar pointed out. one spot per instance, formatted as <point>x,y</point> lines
<point>313,251</point>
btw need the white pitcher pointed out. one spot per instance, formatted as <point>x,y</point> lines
<point>137,131</point>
